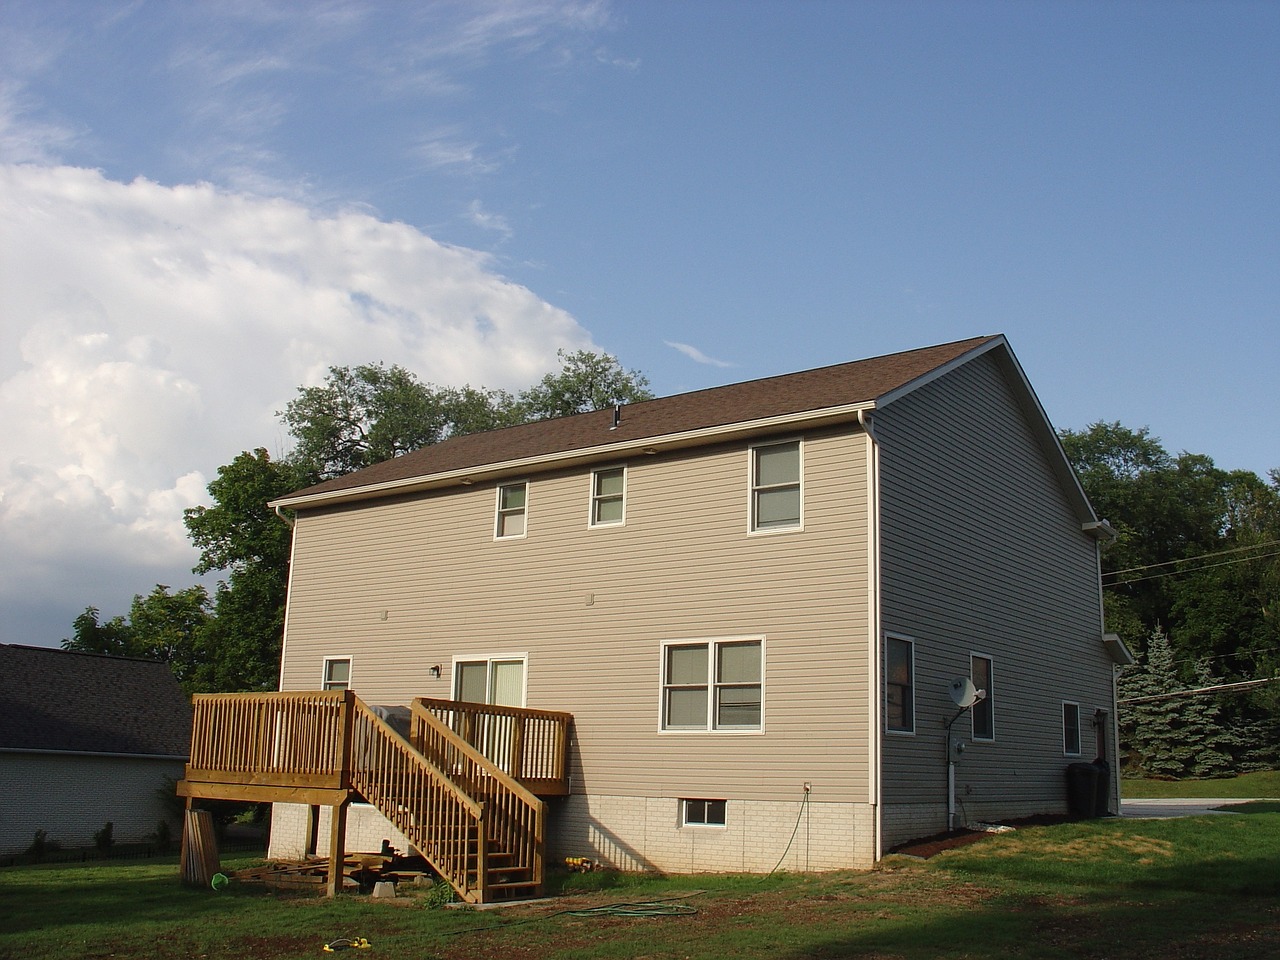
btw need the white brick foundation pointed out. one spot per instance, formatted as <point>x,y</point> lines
<point>644,833</point>
<point>366,829</point>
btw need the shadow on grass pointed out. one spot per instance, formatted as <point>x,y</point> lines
<point>44,899</point>
<point>1196,889</point>
<point>1183,926</point>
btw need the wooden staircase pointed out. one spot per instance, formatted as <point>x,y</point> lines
<point>452,787</point>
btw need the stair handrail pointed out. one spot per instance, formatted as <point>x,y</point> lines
<point>514,816</point>
<point>422,714</point>
<point>439,817</point>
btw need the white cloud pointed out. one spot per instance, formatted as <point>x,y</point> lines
<point>150,334</point>
<point>696,355</point>
<point>487,220</point>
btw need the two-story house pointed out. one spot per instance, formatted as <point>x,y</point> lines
<point>753,600</point>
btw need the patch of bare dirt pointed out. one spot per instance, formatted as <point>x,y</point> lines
<point>927,847</point>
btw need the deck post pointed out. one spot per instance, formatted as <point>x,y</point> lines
<point>337,848</point>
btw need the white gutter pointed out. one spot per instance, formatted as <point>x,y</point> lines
<point>645,445</point>
<point>874,787</point>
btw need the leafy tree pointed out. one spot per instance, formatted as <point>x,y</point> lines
<point>1168,509</point>
<point>363,415</point>
<point>169,627</point>
<point>587,381</point>
<point>160,626</point>
<point>241,536</point>
<point>1192,555</point>
<point>89,635</point>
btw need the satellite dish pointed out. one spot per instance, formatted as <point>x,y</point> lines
<point>964,693</point>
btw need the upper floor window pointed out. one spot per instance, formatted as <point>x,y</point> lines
<point>982,673</point>
<point>337,673</point>
<point>512,509</point>
<point>899,685</point>
<point>712,686</point>
<point>608,496</point>
<point>775,486</point>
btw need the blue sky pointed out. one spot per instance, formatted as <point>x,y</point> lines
<point>205,204</point>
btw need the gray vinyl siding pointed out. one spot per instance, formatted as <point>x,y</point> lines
<point>400,585</point>
<point>71,797</point>
<point>983,554</point>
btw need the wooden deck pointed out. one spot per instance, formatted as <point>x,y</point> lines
<point>464,786</point>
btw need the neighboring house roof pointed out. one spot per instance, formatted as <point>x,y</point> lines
<point>62,700</point>
<point>836,392</point>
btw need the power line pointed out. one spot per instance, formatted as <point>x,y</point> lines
<point>1202,556</point>
<point>1216,688</point>
<point>1178,573</point>
<point>1241,653</point>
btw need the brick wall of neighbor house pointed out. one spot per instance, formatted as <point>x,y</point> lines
<point>402,584</point>
<point>644,833</point>
<point>72,797</point>
<point>983,554</point>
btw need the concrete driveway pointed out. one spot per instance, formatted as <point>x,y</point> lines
<point>1166,808</point>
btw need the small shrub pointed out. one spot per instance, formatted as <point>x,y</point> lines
<point>163,837</point>
<point>103,839</point>
<point>439,895</point>
<point>40,845</point>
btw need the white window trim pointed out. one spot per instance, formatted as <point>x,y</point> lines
<point>710,729</point>
<point>988,699</point>
<point>884,693</point>
<point>1079,740</point>
<point>497,510</point>
<point>752,529</point>
<point>488,659</point>
<point>591,498</point>
<point>324,672</point>
<point>687,824</point>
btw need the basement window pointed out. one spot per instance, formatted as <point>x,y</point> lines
<point>702,813</point>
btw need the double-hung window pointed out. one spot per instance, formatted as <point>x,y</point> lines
<point>983,712</point>
<point>608,497</point>
<point>337,673</point>
<point>713,685</point>
<point>513,501</point>
<point>899,685</point>
<point>776,502</point>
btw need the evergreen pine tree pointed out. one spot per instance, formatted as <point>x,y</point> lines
<point>1173,736</point>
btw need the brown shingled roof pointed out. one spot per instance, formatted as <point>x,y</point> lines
<point>861,381</point>
<point>54,699</point>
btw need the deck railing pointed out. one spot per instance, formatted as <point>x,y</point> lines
<point>528,745</point>
<point>286,739</point>
<point>453,789</point>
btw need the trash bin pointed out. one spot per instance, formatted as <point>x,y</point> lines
<point>1082,790</point>
<point>1102,792</point>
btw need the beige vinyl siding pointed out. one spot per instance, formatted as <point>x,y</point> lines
<point>983,554</point>
<point>402,585</point>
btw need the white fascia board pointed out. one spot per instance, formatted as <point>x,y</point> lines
<point>643,445</point>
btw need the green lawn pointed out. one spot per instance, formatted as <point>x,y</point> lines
<point>1250,785</point>
<point>1194,889</point>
